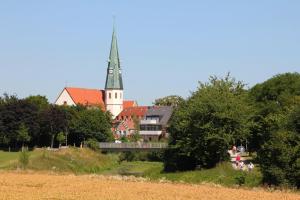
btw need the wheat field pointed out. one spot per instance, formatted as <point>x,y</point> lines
<point>20,185</point>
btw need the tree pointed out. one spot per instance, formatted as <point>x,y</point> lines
<point>172,100</point>
<point>53,120</point>
<point>60,138</point>
<point>202,129</point>
<point>279,157</point>
<point>91,123</point>
<point>14,112</point>
<point>40,101</point>
<point>273,100</point>
<point>22,135</point>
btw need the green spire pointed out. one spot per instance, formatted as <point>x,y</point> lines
<point>114,76</point>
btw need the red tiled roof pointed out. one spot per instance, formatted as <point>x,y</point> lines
<point>93,97</point>
<point>138,111</point>
<point>83,96</point>
<point>128,104</point>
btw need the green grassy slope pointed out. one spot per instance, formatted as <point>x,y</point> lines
<point>222,174</point>
<point>73,160</point>
<point>84,160</point>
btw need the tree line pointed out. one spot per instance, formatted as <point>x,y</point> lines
<point>36,122</point>
<point>223,112</point>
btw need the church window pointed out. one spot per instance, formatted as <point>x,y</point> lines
<point>120,95</point>
<point>109,94</point>
<point>116,95</point>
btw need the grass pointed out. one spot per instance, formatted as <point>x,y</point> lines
<point>72,160</point>
<point>9,159</point>
<point>6,158</point>
<point>86,161</point>
<point>222,174</point>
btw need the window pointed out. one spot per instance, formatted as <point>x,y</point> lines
<point>150,127</point>
<point>120,95</point>
<point>109,94</point>
<point>116,95</point>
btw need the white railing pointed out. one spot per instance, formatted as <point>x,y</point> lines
<point>132,145</point>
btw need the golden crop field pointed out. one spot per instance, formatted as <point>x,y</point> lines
<point>14,185</point>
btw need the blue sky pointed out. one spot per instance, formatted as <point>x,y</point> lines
<point>166,47</point>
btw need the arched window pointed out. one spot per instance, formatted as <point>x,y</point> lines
<point>116,95</point>
<point>109,95</point>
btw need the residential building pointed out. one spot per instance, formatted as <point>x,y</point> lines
<point>155,123</point>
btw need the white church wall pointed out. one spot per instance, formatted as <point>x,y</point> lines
<point>65,98</point>
<point>114,101</point>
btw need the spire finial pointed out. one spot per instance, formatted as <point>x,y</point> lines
<point>114,22</point>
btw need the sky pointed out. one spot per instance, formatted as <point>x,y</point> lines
<point>166,47</point>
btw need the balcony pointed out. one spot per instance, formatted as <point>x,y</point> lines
<point>149,121</point>
<point>150,132</point>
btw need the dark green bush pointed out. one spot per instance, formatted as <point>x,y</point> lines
<point>240,179</point>
<point>279,159</point>
<point>140,156</point>
<point>92,144</point>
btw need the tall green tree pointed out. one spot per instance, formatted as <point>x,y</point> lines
<point>53,120</point>
<point>23,135</point>
<point>202,129</point>
<point>279,157</point>
<point>273,100</point>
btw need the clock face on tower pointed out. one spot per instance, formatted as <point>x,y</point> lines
<point>110,71</point>
<point>120,71</point>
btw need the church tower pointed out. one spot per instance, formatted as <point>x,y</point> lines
<point>114,83</point>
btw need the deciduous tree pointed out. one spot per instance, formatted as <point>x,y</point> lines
<point>203,128</point>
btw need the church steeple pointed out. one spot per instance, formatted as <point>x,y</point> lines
<point>114,84</point>
<point>114,75</point>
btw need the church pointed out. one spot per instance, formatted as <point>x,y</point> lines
<point>153,120</point>
<point>111,98</point>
